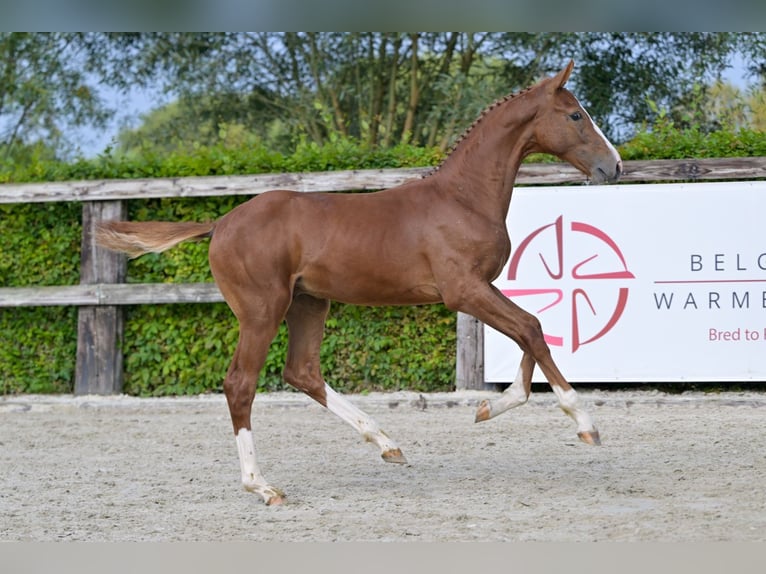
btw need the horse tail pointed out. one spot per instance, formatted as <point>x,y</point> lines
<point>138,237</point>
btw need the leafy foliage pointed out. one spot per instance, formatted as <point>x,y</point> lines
<point>37,349</point>
<point>666,141</point>
<point>45,89</point>
<point>40,246</point>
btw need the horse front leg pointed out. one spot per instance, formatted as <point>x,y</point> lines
<point>515,395</point>
<point>486,303</point>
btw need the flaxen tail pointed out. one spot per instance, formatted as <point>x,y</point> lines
<point>138,237</point>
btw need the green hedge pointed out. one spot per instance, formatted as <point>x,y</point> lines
<point>664,141</point>
<point>40,245</point>
<point>186,349</point>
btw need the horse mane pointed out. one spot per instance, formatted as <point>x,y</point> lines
<point>483,114</point>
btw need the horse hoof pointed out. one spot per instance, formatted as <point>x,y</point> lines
<point>590,437</point>
<point>394,455</point>
<point>270,495</point>
<point>277,499</point>
<point>483,413</point>
<point>274,497</point>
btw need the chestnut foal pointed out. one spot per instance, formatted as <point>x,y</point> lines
<point>284,255</point>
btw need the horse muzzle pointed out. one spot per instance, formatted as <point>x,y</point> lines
<point>606,174</point>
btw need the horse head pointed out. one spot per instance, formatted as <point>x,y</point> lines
<point>564,129</point>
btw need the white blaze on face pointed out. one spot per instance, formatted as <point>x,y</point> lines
<point>612,149</point>
<point>609,145</point>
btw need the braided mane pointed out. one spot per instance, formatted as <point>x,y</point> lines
<point>494,105</point>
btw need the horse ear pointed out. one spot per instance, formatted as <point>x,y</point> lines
<point>561,78</point>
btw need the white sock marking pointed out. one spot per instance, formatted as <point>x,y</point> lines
<point>570,405</point>
<point>252,479</point>
<point>358,419</point>
<point>513,396</point>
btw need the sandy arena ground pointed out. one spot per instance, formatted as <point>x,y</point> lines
<point>688,467</point>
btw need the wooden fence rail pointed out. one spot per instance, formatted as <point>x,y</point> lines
<point>356,180</point>
<point>102,291</point>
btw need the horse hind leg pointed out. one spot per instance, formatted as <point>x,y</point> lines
<point>239,387</point>
<point>305,325</point>
<point>515,395</point>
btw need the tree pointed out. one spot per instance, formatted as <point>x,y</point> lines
<point>752,47</point>
<point>624,78</point>
<point>384,88</point>
<point>44,89</point>
<point>381,88</point>
<point>726,107</point>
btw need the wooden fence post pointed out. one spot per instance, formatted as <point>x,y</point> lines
<point>99,327</point>
<point>470,353</point>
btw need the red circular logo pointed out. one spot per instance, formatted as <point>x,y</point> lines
<point>578,276</point>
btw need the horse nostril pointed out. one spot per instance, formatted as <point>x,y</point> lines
<point>618,169</point>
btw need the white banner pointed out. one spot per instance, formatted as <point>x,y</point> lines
<point>639,282</point>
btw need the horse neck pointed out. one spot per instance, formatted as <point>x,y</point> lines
<point>481,170</point>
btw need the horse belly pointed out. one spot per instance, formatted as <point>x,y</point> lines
<point>369,282</point>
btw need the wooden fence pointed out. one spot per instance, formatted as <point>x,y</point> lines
<point>102,290</point>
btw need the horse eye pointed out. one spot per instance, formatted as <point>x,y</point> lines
<point>576,116</point>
